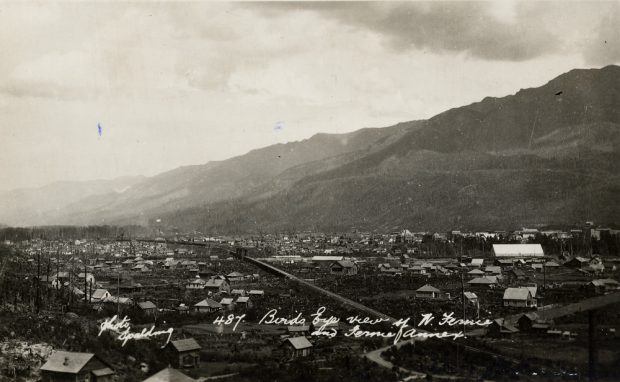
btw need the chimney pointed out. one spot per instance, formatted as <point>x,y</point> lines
<point>66,362</point>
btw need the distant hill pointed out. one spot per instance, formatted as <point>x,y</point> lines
<point>541,156</point>
<point>42,205</point>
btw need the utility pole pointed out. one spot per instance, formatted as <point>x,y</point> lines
<point>544,289</point>
<point>85,277</point>
<point>49,264</point>
<point>118,294</point>
<point>38,280</point>
<point>592,351</point>
<point>57,267</point>
<point>463,299</point>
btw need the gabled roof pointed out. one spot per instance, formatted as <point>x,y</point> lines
<point>67,362</point>
<point>327,258</point>
<point>169,374</point>
<point>197,281</point>
<point>427,288</point>
<point>299,342</point>
<point>604,282</point>
<point>186,344</point>
<point>505,326</point>
<point>532,316</point>
<point>533,290</point>
<point>345,264</point>
<point>517,294</point>
<point>226,301</point>
<point>119,300</point>
<point>147,305</point>
<point>483,280</point>
<point>243,300</point>
<point>100,293</point>
<point>208,303</point>
<point>234,274</point>
<point>470,295</point>
<point>518,250</point>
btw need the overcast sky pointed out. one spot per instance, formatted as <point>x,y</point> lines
<point>184,83</point>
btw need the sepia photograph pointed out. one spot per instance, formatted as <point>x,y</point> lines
<point>293,191</point>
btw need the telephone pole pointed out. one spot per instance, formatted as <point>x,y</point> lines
<point>38,279</point>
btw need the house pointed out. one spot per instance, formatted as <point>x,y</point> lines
<point>343,268</point>
<point>472,298</point>
<point>577,262</point>
<point>427,292</point>
<point>501,327</point>
<point>295,347</point>
<point>182,309</point>
<point>493,270</point>
<point>325,260</point>
<point>532,322</point>
<point>256,292</point>
<point>186,352</point>
<point>169,374</point>
<point>207,306</point>
<point>526,320</point>
<point>483,282</point>
<point>602,285</point>
<point>476,263</point>
<point>235,276</point>
<point>516,275</point>
<point>596,265</point>
<point>100,295</point>
<point>244,302</point>
<point>129,286</point>
<point>476,272</point>
<point>551,264</point>
<point>227,303</point>
<point>503,262</point>
<point>147,307</point>
<point>196,283</point>
<point>71,366</point>
<point>518,250</point>
<point>237,292</point>
<point>117,300</point>
<point>518,297</point>
<point>217,285</point>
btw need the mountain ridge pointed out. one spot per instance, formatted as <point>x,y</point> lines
<point>544,154</point>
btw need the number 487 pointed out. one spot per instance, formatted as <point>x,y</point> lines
<point>227,320</point>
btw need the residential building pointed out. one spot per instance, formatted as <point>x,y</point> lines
<point>186,352</point>
<point>67,366</point>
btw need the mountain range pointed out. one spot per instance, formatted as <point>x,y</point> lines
<point>546,155</point>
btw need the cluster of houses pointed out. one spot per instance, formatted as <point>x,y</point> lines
<point>77,366</point>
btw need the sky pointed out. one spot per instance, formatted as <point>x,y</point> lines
<point>94,90</point>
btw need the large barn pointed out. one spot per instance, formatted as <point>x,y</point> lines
<point>518,250</point>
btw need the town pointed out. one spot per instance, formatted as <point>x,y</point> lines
<point>129,304</point>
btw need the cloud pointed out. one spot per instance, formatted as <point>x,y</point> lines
<point>494,31</point>
<point>604,48</point>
